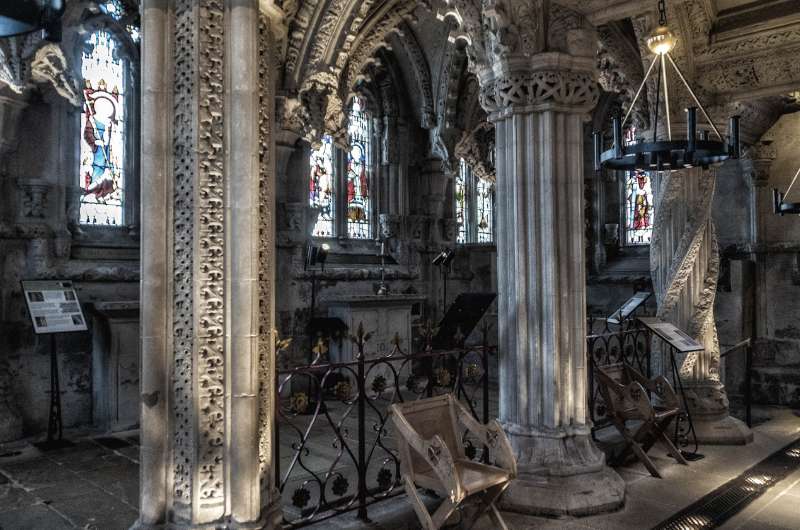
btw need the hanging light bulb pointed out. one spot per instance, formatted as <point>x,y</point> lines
<point>661,40</point>
<point>666,154</point>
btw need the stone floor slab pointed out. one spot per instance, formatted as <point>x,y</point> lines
<point>38,517</point>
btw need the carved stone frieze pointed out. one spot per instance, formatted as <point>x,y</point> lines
<point>769,72</point>
<point>541,88</point>
<point>266,246</point>
<point>210,272</point>
<point>185,162</point>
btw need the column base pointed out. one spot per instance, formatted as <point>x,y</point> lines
<point>713,423</point>
<point>561,472</point>
<point>726,430</point>
<point>576,495</point>
<point>271,517</point>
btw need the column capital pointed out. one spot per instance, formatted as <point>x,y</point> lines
<point>534,54</point>
<point>546,81</point>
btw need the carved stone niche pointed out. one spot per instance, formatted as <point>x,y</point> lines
<point>391,225</point>
<point>32,199</point>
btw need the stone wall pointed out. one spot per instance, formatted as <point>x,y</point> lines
<point>38,174</point>
<point>759,291</point>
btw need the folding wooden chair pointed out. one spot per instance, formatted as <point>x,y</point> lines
<point>625,392</point>
<point>432,456</point>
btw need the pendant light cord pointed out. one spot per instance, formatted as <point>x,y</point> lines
<point>792,184</point>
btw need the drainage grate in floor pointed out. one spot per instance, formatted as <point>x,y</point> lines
<point>733,496</point>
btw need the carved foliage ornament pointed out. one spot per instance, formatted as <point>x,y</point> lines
<point>476,147</point>
<point>544,87</point>
<point>27,60</point>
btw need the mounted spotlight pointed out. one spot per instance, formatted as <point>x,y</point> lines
<point>24,16</point>
<point>316,255</point>
<point>669,154</point>
<point>780,205</point>
<point>444,258</point>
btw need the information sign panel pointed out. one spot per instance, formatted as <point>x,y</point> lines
<point>676,338</point>
<point>53,306</point>
<point>627,309</point>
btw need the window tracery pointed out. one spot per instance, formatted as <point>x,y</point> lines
<point>353,176</point>
<point>474,206</point>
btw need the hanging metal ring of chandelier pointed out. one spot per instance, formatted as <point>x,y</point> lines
<point>666,154</point>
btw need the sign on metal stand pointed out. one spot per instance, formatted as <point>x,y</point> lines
<point>54,308</point>
<point>678,341</point>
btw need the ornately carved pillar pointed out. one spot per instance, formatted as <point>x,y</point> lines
<point>538,115</point>
<point>207,267</point>
<point>684,264</point>
<point>536,65</point>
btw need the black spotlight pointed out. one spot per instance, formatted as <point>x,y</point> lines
<point>316,255</point>
<point>24,16</point>
<point>444,258</point>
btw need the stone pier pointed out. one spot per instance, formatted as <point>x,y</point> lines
<point>207,266</point>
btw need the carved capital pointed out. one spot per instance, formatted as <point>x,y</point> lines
<point>549,81</point>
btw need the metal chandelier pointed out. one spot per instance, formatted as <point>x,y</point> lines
<point>666,154</point>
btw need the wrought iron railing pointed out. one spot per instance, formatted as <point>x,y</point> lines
<point>333,419</point>
<point>606,343</point>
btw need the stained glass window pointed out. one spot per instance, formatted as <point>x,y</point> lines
<point>485,200</point>
<point>638,208</point>
<point>358,161</point>
<point>102,154</point>
<point>321,187</point>
<point>461,200</point>
<point>114,8</point>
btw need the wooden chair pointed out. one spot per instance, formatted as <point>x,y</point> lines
<point>625,392</point>
<point>432,456</point>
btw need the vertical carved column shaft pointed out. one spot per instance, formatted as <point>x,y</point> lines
<point>206,242</point>
<point>539,118</point>
<point>684,263</point>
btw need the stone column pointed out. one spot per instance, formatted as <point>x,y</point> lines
<point>684,265</point>
<point>207,247</point>
<point>542,287</point>
<point>536,65</point>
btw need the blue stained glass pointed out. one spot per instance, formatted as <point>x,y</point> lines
<point>102,153</point>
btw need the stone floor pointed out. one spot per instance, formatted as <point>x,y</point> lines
<point>94,485</point>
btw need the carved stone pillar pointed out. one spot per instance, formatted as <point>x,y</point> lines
<point>207,266</point>
<point>684,264</point>
<point>541,283</point>
<point>536,68</point>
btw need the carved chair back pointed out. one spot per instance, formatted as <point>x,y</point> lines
<point>430,417</point>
